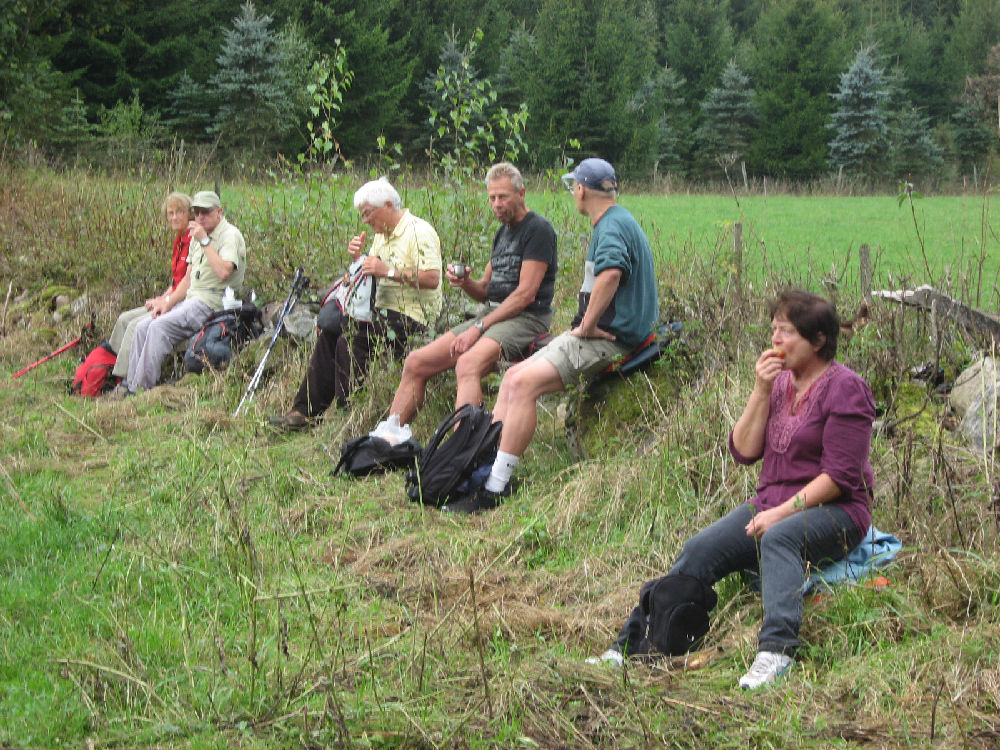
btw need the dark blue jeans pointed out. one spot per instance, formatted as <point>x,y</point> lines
<point>816,535</point>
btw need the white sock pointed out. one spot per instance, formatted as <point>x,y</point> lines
<point>503,467</point>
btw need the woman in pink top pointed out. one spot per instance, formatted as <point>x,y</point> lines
<point>808,421</point>
<point>177,211</point>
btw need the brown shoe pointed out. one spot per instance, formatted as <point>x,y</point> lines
<point>291,421</point>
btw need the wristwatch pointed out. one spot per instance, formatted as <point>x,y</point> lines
<point>204,241</point>
<point>391,274</point>
<point>479,326</point>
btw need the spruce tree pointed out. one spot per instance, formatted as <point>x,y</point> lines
<point>797,50</point>
<point>860,121</point>
<point>697,42</point>
<point>383,98</point>
<point>729,116</point>
<point>662,134</point>
<point>189,111</point>
<point>589,60</point>
<point>257,103</point>
<point>973,137</point>
<point>913,151</point>
<point>73,129</point>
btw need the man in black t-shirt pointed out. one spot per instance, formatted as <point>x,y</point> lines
<point>515,296</point>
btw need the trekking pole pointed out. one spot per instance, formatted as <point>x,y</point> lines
<point>56,353</point>
<point>299,284</point>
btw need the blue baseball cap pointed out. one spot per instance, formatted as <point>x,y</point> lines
<point>595,174</point>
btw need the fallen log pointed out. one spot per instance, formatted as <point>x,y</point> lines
<point>982,325</point>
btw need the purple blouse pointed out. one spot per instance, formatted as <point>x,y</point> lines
<point>830,432</point>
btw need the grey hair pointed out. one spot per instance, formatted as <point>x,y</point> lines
<point>506,169</point>
<point>376,194</point>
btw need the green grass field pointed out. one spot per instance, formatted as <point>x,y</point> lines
<point>824,232</point>
<point>177,577</point>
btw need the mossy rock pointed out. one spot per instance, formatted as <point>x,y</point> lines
<point>51,292</point>
<point>46,334</point>
<point>612,415</point>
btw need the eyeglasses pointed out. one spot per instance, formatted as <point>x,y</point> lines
<point>198,210</point>
<point>366,212</point>
<point>569,183</point>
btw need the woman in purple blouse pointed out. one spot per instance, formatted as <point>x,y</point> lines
<point>809,421</point>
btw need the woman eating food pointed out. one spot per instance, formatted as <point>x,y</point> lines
<point>808,421</point>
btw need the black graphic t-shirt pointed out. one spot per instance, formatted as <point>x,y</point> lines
<point>532,238</point>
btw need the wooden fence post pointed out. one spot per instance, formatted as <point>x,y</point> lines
<point>177,166</point>
<point>737,268</point>
<point>865,254</point>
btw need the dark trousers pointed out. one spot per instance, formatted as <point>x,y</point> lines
<point>817,535</point>
<point>340,363</point>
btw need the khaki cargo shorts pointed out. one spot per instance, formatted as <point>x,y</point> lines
<point>576,357</point>
<point>514,334</point>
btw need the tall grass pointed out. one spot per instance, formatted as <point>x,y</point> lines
<point>176,577</point>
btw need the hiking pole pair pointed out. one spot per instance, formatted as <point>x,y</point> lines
<point>299,284</point>
<point>87,329</point>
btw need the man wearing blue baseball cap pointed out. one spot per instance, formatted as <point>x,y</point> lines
<point>618,311</point>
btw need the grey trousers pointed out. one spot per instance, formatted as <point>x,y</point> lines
<point>816,535</point>
<point>156,337</point>
<point>122,335</point>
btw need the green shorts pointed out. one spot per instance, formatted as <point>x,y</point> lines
<point>576,357</point>
<point>514,334</point>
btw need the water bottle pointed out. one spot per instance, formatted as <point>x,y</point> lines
<point>229,301</point>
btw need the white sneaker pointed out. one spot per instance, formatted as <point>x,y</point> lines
<point>610,656</point>
<point>766,668</point>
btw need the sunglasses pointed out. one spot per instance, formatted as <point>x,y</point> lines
<point>198,211</point>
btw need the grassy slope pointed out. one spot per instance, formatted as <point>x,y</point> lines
<point>175,577</point>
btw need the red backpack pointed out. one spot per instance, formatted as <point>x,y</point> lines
<point>93,376</point>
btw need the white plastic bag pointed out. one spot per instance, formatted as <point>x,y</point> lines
<point>391,431</point>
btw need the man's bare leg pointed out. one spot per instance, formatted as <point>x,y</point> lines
<point>471,368</point>
<point>520,391</point>
<point>420,366</point>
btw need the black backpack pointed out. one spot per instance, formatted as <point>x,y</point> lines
<point>366,455</point>
<point>675,608</point>
<point>452,455</point>
<point>222,335</point>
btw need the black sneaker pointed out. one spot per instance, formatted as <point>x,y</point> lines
<point>480,500</point>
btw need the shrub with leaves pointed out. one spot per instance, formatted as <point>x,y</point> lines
<point>468,126</point>
<point>330,78</point>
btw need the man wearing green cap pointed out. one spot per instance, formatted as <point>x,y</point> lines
<point>217,259</point>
